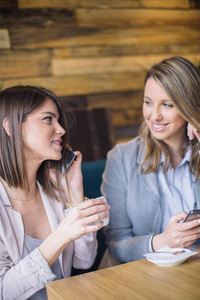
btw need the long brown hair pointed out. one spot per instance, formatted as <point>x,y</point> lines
<point>16,103</point>
<point>180,79</point>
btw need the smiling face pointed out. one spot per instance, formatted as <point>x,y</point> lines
<point>162,118</point>
<point>42,134</point>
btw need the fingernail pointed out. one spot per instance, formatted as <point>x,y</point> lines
<point>199,221</point>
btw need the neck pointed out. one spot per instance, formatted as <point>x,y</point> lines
<point>177,152</point>
<point>19,194</point>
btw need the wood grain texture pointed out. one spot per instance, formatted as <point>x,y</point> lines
<point>8,4</point>
<point>98,49</point>
<point>39,18</point>
<point>136,17</point>
<point>104,65</point>
<point>138,280</point>
<point>34,38</point>
<point>15,64</point>
<point>120,51</point>
<point>4,39</point>
<point>76,85</point>
<point>103,3</point>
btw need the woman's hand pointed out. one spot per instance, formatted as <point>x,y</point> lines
<point>192,132</point>
<point>81,216</point>
<point>76,224</point>
<point>178,234</point>
<point>72,181</point>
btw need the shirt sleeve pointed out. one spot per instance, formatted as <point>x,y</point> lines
<point>85,249</point>
<point>123,244</point>
<point>23,280</point>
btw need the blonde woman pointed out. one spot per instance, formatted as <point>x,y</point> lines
<point>153,181</point>
<point>45,224</point>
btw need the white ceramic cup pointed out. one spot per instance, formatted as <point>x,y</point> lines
<point>105,220</point>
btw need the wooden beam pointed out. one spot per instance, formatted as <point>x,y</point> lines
<point>103,65</point>
<point>8,4</point>
<point>5,39</point>
<point>42,18</point>
<point>110,51</point>
<point>103,3</point>
<point>116,101</point>
<point>24,63</point>
<point>136,17</point>
<point>127,117</point>
<point>33,37</point>
<point>87,84</point>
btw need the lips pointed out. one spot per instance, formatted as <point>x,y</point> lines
<point>158,127</point>
<point>58,143</point>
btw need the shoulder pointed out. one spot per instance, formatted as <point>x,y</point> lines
<point>131,150</point>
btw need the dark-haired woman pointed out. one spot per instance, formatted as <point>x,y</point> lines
<point>40,238</point>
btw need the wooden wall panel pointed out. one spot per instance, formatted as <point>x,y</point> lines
<point>103,3</point>
<point>87,84</point>
<point>136,17</point>
<point>8,3</point>
<point>35,38</point>
<point>126,107</point>
<point>125,64</point>
<point>14,64</point>
<point>4,39</point>
<point>95,54</point>
<point>120,51</point>
<point>45,19</point>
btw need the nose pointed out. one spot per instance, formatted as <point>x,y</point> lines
<point>156,114</point>
<point>59,129</point>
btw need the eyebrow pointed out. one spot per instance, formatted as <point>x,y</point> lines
<point>50,113</point>
<point>161,100</point>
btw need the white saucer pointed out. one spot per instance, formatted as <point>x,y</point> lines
<point>169,259</point>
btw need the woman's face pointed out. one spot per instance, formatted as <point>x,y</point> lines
<point>162,118</point>
<point>42,133</point>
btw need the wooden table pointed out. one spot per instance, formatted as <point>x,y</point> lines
<point>136,280</point>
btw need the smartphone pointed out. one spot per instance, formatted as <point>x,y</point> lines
<point>71,157</point>
<point>192,215</point>
<point>64,166</point>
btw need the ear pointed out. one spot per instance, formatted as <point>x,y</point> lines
<point>6,126</point>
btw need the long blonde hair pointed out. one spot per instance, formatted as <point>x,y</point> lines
<point>180,79</point>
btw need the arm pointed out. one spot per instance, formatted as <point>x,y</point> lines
<point>85,251</point>
<point>24,279</point>
<point>178,234</point>
<point>75,225</point>
<point>85,247</point>
<point>122,242</point>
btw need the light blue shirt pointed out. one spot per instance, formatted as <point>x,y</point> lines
<point>177,189</point>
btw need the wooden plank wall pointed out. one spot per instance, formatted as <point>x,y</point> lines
<point>98,51</point>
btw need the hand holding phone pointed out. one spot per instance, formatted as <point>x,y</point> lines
<point>71,157</point>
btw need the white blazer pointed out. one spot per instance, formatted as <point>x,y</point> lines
<point>21,278</point>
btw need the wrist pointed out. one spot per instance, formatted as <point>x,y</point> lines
<point>70,204</point>
<point>157,242</point>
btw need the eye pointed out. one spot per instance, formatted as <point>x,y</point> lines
<point>48,119</point>
<point>147,102</point>
<point>168,105</point>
